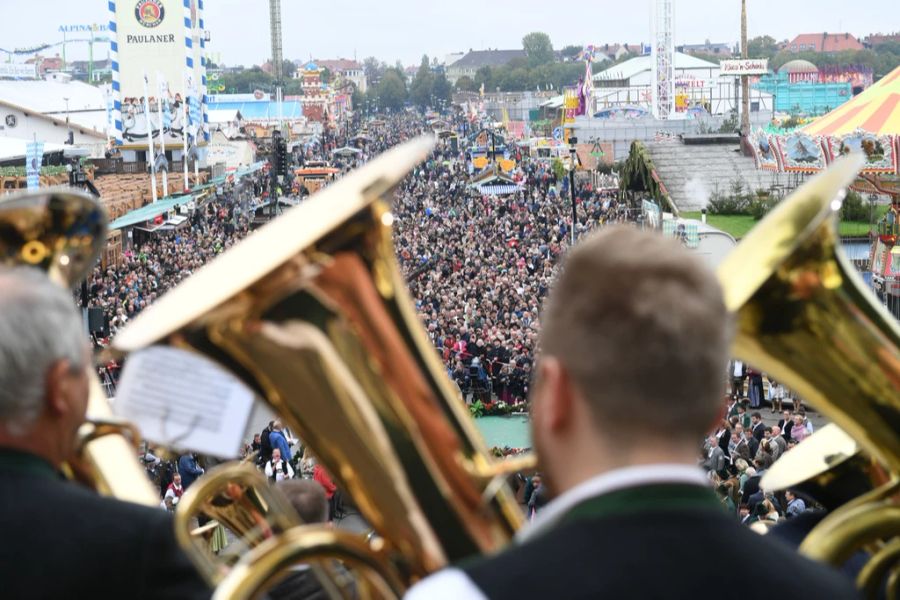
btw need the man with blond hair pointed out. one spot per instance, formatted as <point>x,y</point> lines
<point>634,342</point>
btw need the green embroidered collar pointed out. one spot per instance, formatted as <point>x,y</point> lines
<point>23,462</point>
<point>645,498</point>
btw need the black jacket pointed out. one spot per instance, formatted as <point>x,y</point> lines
<point>61,540</point>
<point>655,554</point>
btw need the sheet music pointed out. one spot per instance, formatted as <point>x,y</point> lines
<point>183,400</point>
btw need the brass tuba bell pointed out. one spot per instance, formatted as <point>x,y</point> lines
<point>61,231</point>
<point>312,313</point>
<point>804,315</point>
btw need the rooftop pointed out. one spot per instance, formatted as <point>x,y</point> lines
<point>488,58</point>
<point>339,64</point>
<point>86,103</point>
<point>826,42</point>
<point>639,64</point>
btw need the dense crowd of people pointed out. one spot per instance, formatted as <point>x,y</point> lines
<point>478,267</point>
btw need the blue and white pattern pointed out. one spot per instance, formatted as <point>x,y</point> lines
<point>189,87</point>
<point>34,156</point>
<point>114,64</point>
<point>202,37</point>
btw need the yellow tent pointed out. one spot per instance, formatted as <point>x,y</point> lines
<point>876,111</point>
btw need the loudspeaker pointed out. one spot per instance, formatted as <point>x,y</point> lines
<point>97,322</point>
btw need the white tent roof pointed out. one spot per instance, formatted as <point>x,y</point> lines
<point>12,148</point>
<point>639,64</point>
<point>555,102</point>
<point>86,103</point>
<point>224,115</point>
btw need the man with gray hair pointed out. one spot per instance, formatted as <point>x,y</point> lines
<point>635,338</point>
<point>63,540</point>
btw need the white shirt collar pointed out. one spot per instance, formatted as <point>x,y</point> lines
<point>617,479</point>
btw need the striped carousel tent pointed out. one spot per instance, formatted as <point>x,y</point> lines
<point>875,111</point>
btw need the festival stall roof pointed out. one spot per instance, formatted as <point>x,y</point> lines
<point>145,213</point>
<point>346,151</point>
<point>876,111</point>
<point>555,102</point>
<point>492,183</point>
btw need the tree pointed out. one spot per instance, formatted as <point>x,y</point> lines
<point>358,100</point>
<point>466,84</point>
<point>484,76</point>
<point>391,90</point>
<point>538,48</point>
<point>246,81</point>
<point>373,69</point>
<point>570,52</point>
<point>420,90</point>
<point>763,46</point>
<point>288,68</point>
<point>441,89</point>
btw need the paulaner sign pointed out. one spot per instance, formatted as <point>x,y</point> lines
<point>159,38</point>
<point>744,66</point>
<point>150,39</point>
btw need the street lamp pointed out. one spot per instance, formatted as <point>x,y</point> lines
<point>572,160</point>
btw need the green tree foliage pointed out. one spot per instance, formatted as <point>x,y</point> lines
<point>441,89</point>
<point>538,47</point>
<point>570,52</point>
<point>374,69</point>
<point>421,89</point>
<point>882,59</point>
<point>518,77</point>
<point>357,99</point>
<point>391,90</point>
<point>246,81</point>
<point>484,76</point>
<point>763,46</point>
<point>466,84</point>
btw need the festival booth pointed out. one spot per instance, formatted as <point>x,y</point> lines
<point>870,124</point>
<point>312,177</point>
<point>487,143</point>
<point>360,140</point>
<point>494,182</point>
<point>346,152</point>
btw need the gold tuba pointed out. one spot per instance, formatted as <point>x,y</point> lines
<point>312,313</point>
<point>805,316</point>
<point>62,231</point>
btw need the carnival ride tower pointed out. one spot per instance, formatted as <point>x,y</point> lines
<point>277,57</point>
<point>663,58</point>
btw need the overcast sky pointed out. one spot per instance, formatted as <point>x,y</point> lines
<point>405,29</point>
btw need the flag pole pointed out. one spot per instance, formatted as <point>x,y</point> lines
<point>149,137</point>
<point>184,132</point>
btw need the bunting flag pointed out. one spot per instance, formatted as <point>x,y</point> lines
<point>34,155</point>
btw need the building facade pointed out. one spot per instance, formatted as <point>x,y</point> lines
<point>469,64</point>
<point>823,42</point>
